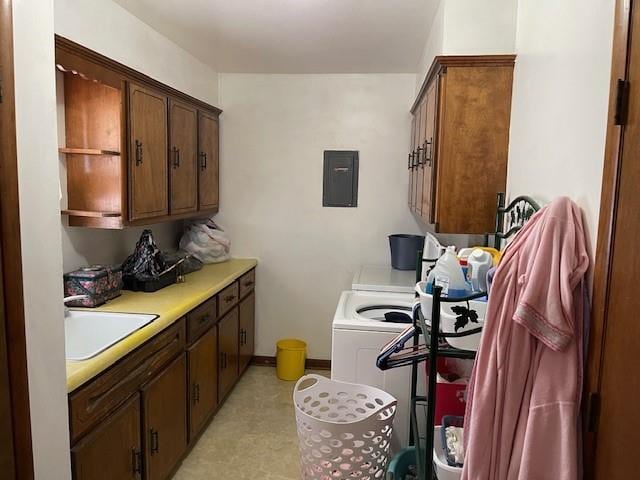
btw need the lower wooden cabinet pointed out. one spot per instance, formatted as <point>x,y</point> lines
<point>228,345</point>
<point>136,420</point>
<point>203,381</point>
<point>165,420</point>
<point>247,330</point>
<point>113,450</point>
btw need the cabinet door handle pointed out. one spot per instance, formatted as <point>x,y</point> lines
<point>176,157</point>
<point>203,161</point>
<point>419,156</point>
<point>241,337</point>
<point>155,441</point>
<point>138,152</point>
<point>196,393</point>
<point>428,158</point>
<point>136,457</point>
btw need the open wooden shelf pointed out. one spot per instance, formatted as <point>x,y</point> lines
<point>92,214</point>
<point>88,151</point>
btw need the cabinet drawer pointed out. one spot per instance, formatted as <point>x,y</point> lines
<point>247,283</point>
<point>98,398</point>
<point>227,298</point>
<point>200,319</point>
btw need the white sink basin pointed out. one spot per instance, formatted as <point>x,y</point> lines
<point>88,333</point>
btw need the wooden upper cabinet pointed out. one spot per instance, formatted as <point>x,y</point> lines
<point>113,450</point>
<point>412,149</point>
<point>183,153</point>
<point>148,163</point>
<point>420,152</point>
<point>164,403</point>
<point>136,151</point>
<point>429,164</point>
<point>208,161</point>
<point>464,110</point>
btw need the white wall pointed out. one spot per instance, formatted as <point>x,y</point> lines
<point>469,27</point>
<point>104,26</point>
<point>479,28</point>
<point>40,230</point>
<point>109,29</point>
<point>434,45</point>
<point>560,96</point>
<point>274,131</point>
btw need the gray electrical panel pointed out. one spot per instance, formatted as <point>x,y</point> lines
<point>340,184</point>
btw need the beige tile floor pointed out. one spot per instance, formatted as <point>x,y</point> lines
<point>253,435</point>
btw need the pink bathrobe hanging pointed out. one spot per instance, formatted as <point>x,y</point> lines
<point>524,396</point>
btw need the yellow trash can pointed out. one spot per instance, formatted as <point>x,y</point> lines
<point>290,358</point>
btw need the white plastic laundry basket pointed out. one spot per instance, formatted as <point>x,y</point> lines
<point>344,429</point>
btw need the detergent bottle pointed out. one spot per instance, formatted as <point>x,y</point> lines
<point>448,274</point>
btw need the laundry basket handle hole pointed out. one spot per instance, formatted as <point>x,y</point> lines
<point>307,382</point>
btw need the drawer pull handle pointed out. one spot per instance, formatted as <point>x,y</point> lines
<point>204,318</point>
<point>248,283</point>
<point>229,298</point>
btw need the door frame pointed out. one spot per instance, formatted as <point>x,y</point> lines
<point>12,317</point>
<point>606,237</point>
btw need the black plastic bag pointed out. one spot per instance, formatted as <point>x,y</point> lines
<point>147,261</point>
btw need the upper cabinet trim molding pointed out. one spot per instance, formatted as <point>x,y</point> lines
<point>441,62</point>
<point>65,45</point>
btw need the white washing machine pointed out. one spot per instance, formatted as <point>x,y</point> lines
<point>359,333</point>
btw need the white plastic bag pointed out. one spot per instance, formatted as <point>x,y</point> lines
<point>206,241</point>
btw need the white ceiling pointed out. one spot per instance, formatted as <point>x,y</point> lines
<point>294,36</point>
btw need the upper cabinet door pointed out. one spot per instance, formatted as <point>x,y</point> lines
<point>208,162</point>
<point>428,181</point>
<point>410,163</point>
<point>148,185</point>
<point>183,125</point>
<point>420,125</point>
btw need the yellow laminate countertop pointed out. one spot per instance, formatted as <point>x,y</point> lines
<point>171,303</point>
